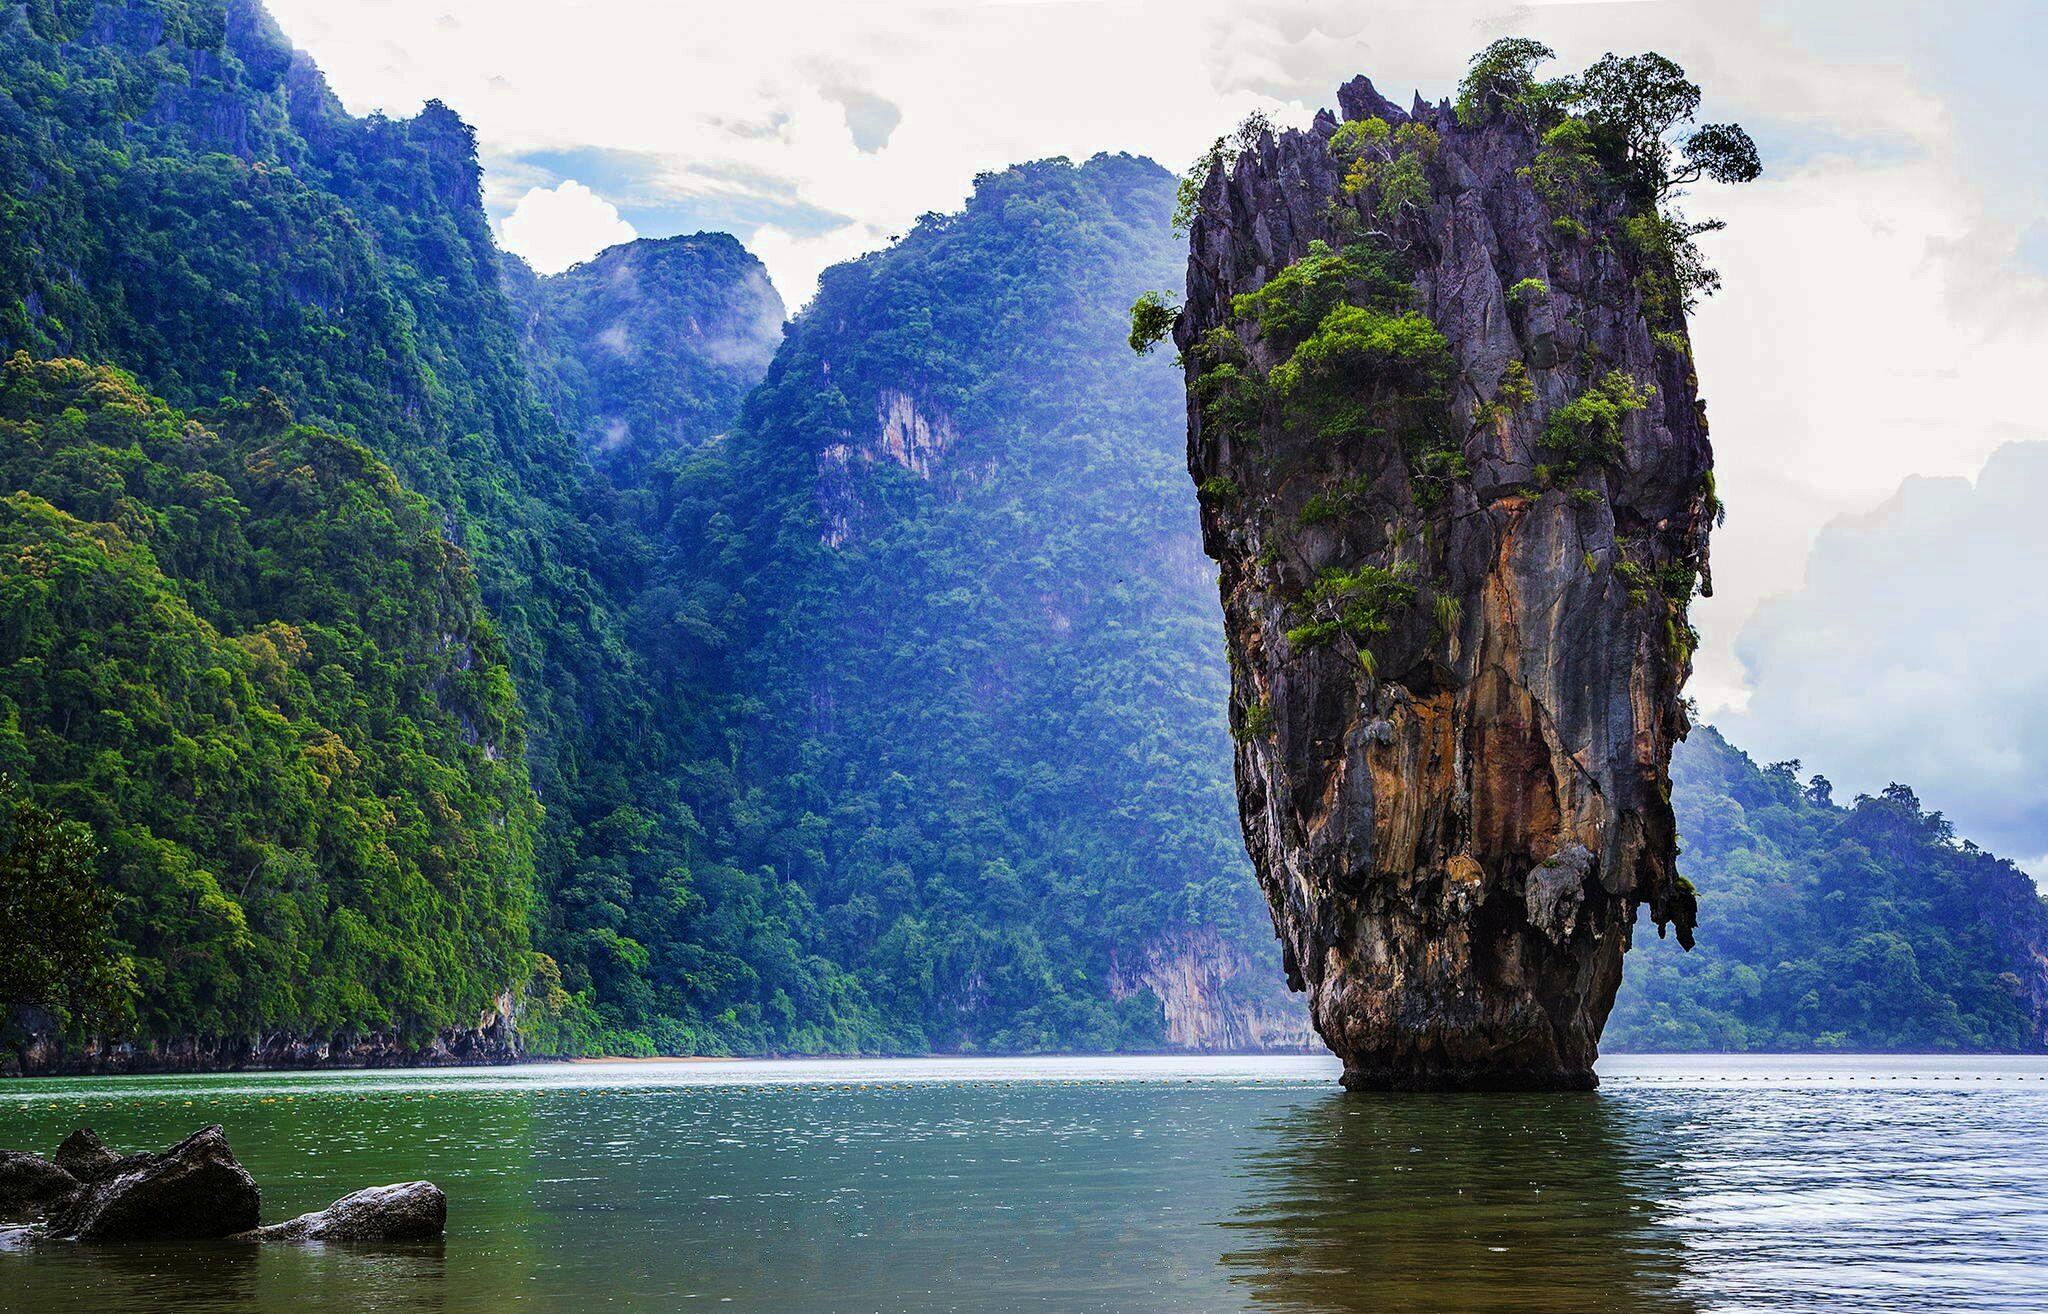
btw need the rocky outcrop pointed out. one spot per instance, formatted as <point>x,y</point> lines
<point>1213,995</point>
<point>31,1185</point>
<point>405,1211</point>
<point>193,1191</point>
<point>906,434</point>
<point>85,1156</point>
<point>44,1052</point>
<point>1458,525</point>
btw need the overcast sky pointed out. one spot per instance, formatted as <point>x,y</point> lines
<point>1886,311</point>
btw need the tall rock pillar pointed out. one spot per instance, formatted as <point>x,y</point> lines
<point>1454,469</point>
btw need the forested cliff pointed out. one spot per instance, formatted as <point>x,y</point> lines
<point>971,614</point>
<point>414,658</point>
<point>189,202</point>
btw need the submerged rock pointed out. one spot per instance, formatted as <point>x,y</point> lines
<point>404,1211</point>
<point>194,1190</point>
<point>1455,473</point>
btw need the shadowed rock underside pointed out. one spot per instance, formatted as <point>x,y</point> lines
<point>1455,788</point>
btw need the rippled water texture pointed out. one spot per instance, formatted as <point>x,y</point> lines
<point>1090,1184</point>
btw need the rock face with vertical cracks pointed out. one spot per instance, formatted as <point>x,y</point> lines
<point>1455,600</point>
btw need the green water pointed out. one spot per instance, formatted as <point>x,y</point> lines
<point>1086,1184</point>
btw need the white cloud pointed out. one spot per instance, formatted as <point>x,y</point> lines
<point>1912,652</point>
<point>795,261</point>
<point>1872,328</point>
<point>1845,356</point>
<point>553,228</point>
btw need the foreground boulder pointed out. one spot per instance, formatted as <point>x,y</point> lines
<point>85,1156</point>
<point>31,1185</point>
<point>192,1191</point>
<point>405,1211</point>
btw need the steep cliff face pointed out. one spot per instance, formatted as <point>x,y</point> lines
<point>1215,996</point>
<point>1456,475</point>
<point>978,639</point>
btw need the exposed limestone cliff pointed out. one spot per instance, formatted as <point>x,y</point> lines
<point>42,1052</point>
<point>1455,472</point>
<point>1217,999</point>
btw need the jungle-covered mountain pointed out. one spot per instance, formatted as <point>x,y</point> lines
<point>1869,927</point>
<point>315,809</point>
<point>186,200</point>
<point>880,707</point>
<point>968,616</point>
<point>646,350</point>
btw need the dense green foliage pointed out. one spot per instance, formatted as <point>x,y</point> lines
<point>57,950</point>
<point>1617,125</point>
<point>647,350</point>
<point>1869,927</point>
<point>249,661</point>
<point>967,608</point>
<point>1587,429</point>
<point>184,200</point>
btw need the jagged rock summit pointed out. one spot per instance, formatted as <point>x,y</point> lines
<point>1453,466</point>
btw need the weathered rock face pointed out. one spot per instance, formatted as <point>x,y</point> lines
<point>31,1185</point>
<point>85,1156</point>
<point>1216,998</point>
<point>193,1190</point>
<point>44,1052</point>
<point>404,1211</point>
<point>1455,602</point>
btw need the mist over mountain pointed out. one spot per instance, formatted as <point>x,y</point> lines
<point>647,349</point>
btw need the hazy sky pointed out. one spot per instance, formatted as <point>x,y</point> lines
<point>1886,311</point>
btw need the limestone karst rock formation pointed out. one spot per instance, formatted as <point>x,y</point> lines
<point>1454,469</point>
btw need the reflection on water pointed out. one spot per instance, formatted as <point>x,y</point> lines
<point>231,1276</point>
<point>1128,1186</point>
<point>1457,1203</point>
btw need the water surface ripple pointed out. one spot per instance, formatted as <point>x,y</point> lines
<point>1168,1185</point>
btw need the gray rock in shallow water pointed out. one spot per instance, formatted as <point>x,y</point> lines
<point>85,1156</point>
<point>404,1211</point>
<point>30,1185</point>
<point>193,1190</point>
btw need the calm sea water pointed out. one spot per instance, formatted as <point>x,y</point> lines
<point>1169,1185</point>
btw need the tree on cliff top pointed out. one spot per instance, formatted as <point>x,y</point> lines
<point>1618,119</point>
<point>1633,103</point>
<point>1638,101</point>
